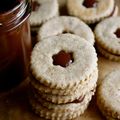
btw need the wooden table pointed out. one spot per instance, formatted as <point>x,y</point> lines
<point>14,105</point>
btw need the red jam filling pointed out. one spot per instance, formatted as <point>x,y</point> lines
<point>35,6</point>
<point>79,100</point>
<point>63,58</point>
<point>117,33</point>
<point>90,3</point>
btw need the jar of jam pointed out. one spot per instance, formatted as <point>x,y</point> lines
<point>15,42</point>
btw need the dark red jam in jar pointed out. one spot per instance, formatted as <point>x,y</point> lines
<point>15,42</point>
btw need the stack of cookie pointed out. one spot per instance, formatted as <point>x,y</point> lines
<point>107,35</point>
<point>63,73</point>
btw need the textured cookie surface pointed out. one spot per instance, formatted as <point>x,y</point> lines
<point>108,34</point>
<point>100,10</point>
<point>44,10</point>
<point>108,95</point>
<point>59,99</point>
<point>66,24</point>
<point>60,112</point>
<point>44,89</point>
<point>55,76</point>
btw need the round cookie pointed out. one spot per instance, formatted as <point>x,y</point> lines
<point>43,10</point>
<point>60,112</point>
<point>91,11</point>
<point>109,55</point>
<point>79,93</point>
<point>107,35</point>
<point>108,95</point>
<point>66,24</point>
<point>80,53</point>
<point>44,89</point>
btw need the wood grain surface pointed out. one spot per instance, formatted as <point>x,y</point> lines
<point>14,104</point>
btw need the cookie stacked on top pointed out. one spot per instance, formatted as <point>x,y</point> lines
<point>63,76</point>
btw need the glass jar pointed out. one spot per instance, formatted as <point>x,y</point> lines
<point>15,42</point>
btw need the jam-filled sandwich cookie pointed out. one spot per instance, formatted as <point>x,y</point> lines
<point>66,24</point>
<point>60,57</point>
<point>43,10</point>
<point>108,96</point>
<point>67,111</point>
<point>80,92</point>
<point>107,35</point>
<point>91,11</point>
<point>88,84</point>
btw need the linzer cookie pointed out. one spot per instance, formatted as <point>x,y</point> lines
<point>108,96</point>
<point>107,35</point>
<point>60,112</point>
<point>80,92</point>
<point>91,11</point>
<point>66,24</point>
<point>43,10</point>
<point>62,107</point>
<point>63,73</point>
<point>65,62</point>
<point>89,82</point>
